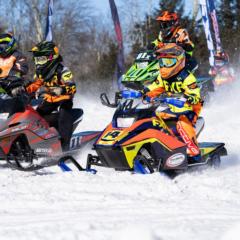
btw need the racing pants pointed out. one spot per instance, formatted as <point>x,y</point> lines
<point>185,128</point>
<point>64,121</point>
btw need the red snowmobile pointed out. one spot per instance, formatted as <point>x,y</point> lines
<point>27,142</point>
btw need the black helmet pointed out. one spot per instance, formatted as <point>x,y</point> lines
<point>46,57</point>
<point>7,44</point>
<point>168,23</point>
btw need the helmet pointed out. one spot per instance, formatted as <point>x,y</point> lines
<point>221,59</point>
<point>7,44</point>
<point>171,60</point>
<point>168,22</point>
<point>46,57</point>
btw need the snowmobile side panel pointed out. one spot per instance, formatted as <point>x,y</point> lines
<point>78,139</point>
<point>113,158</point>
<point>209,148</point>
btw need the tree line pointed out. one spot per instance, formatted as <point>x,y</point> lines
<point>87,40</point>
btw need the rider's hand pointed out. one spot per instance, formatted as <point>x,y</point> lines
<point>56,91</point>
<point>17,91</point>
<point>40,92</point>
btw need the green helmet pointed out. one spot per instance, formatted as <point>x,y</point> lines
<point>7,44</point>
<point>46,57</point>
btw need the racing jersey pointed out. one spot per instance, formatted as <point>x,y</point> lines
<point>183,83</point>
<point>12,67</point>
<point>61,78</point>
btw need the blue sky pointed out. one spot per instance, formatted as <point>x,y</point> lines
<point>103,5</point>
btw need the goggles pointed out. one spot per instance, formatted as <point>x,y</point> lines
<point>41,60</point>
<point>165,24</point>
<point>167,62</point>
<point>3,47</point>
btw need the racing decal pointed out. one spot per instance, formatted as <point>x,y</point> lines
<point>174,87</point>
<point>75,142</point>
<point>175,160</point>
<point>190,145</point>
<point>142,56</point>
<point>110,136</point>
<point>67,76</point>
<point>159,123</point>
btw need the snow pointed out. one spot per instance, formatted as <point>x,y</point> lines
<point>203,205</point>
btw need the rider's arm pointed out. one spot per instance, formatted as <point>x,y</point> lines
<point>182,38</point>
<point>34,86</point>
<point>191,89</point>
<point>156,88</point>
<point>20,66</point>
<point>68,84</point>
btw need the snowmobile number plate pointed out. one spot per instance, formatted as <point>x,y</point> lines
<point>110,137</point>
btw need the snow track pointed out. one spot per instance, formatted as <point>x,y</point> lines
<point>203,205</point>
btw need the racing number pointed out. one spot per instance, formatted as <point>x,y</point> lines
<point>111,135</point>
<point>141,56</point>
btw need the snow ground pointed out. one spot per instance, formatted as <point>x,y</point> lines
<point>203,205</point>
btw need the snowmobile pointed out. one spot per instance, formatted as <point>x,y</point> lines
<point>30,142</point>
<point>139,140</point>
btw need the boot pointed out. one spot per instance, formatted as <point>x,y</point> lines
<point>188,135</point>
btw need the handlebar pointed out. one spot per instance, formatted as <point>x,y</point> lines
<point>175,100</point>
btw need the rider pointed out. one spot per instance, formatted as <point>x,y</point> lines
<point>172,32</point>
<point>175,79</point>
<point>55,83</point>
<point>13,66</point>
<point>221,70</point>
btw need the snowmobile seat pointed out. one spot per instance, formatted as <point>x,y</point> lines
<point>52,119</point>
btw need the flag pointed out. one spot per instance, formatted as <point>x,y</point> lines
<point>48,33</point>
<point>118,30</point>
<point>213,15</point>
<point>206,24</point>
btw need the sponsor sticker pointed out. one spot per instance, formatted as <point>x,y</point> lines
<point>175,160</point>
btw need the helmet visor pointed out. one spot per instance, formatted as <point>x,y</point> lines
<point>3,47</point>
<point>41,60</point>
<point>165,24</point>
<point>167,62</point>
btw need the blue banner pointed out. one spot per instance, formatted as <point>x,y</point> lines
<point>48,33</point>
<point>206,24</point>
<point>213,15</point>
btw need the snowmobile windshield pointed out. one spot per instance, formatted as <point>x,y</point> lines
<point>131,104</point>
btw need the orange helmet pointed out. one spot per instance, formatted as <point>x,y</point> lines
<point>171,60</point>
<point>168,22</point>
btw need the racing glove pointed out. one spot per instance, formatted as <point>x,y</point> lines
<point>57,91</point>
<point>41,91</point>
<point>17,91</point>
